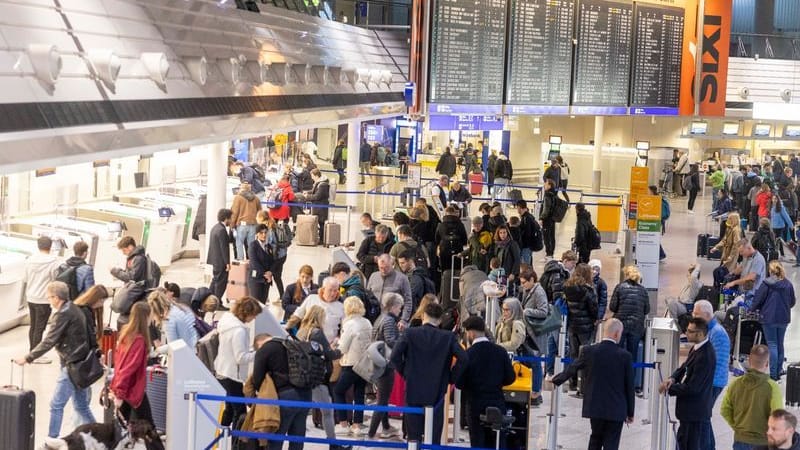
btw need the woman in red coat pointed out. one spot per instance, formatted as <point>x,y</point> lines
<point>763,200</point>
<point>128,384</point>
<point>283,212</point>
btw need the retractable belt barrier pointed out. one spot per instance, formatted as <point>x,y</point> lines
<point>541,359</point>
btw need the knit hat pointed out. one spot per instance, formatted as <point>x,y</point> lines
<point>596,263</point>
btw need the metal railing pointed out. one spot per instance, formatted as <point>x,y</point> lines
<point>771,46</point>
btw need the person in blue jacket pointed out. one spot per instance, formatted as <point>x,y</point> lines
<point>779,217</point>
<point>775,299</point>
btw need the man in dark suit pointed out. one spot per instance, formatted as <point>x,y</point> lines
<point>691,385</point>
<point>219,252</point>
<point>424,357</point>
<point>488,370</point>
<point>608,398</point>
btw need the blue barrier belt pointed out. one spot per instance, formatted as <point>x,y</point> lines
<point>538,359</point>
<point>272,205</point>
<point>297,404</point>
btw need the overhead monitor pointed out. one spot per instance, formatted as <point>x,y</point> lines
<point>698,128</point>
<point>791,131</point>
<point>730,129</point>
<point>555,139</point>
<point>166,212</point>
<point>762,129</point>
<point>643,145</point>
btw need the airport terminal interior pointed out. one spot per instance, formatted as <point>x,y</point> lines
<point>144,118</point>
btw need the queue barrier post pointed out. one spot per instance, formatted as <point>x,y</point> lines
<point>427,437</point>
<point>555,400</point>
<point>648,336</point>
<point>192,429</point>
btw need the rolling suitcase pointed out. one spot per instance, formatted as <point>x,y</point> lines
<point>237,281</point>
<point>713,255</point>
<point>793,385</point>
<point>17,415</point>
<point>475,183</point>
<point>307,230</point>
<point>702,244</point>
<point>332,234</point>
<point>108,342</point>
<point>156,390</point>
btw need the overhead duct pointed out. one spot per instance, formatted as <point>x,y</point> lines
<point>46,62</point>
<point>232,68</point>
<point>302,73</point>
<point>198,69</point>
<point>106,66</point>
<point>157,66</point>
<point>281,73</point>
<point>335,74</point>
<point>321,74</point>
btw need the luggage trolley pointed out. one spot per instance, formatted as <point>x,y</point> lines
<point>748,334</point>
<point>667,176</point>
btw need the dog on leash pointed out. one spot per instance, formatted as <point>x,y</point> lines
<point>103,436</point>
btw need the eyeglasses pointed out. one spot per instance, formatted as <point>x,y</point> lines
<point>506,309</point>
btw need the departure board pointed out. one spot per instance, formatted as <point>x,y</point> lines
<point>603,53</point>
<point>468,52</point>
<point>657,56</point>
<point>540,52</point>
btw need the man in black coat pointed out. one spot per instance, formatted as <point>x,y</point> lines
<point>488,370</point>
<point>372,247</point>
<point>424,357</point>
<point>219,253</point>
<point>319,195</point>
<point>608,398</point>
<point>691,385</point>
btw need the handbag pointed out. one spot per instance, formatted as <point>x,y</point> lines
<point>124,298</point>
<point>85,371</point>
<point>549,323</point>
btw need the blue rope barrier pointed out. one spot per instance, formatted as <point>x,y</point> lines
<point>272,205</point>
<point>448,447</point>
<point>214,442</point>
<point>298,404</point>
<point>314,440</point>
<point>540,359</point>
<point>208,414</point>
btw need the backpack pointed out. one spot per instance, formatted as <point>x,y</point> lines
<point>306,363</point>
<point>594,237</point>
<point>259,173</point>
<point>283,236</point>
<point>372,305</point>
<point>765,245</point>
<point>69,275</point>
<point>344,155</point>
<point>560,207</point>
<point>420,257</point>
<point>665,209</point>
<point>207,349</point>
<point>537,242</point>
<point>275,197</point>
<point>153,277</point>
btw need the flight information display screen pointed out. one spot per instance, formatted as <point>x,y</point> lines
<point>540,52</point>
<point>603,53</point>
<point>467,52</point>
<point>658,38</point>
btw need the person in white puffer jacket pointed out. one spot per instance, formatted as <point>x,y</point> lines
<point>356,337</point>
<point>235,353</point>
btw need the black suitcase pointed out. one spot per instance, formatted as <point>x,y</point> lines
<point>711,254</point>
<point>752,334</point>
<point>17,416</point>
<point>702,244</point>
<point>793,385</point>
<point>450,293</point>
<point>514,195</point>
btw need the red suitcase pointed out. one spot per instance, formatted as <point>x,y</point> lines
<point>108,342</point>
<point>475,183</point>
<point>237,281</point>
<point>398,395</point>
<point>17,415</point>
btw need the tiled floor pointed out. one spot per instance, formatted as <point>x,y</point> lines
<point>679,243</point>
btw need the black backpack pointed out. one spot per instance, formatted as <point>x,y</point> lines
<point>420,256</point>
<point>594,237</point>
<point>560,207</point>
<point>153,277</point>
<point>535,232</point>
<point>69,275</point>
<point>259,173</point>
<point>372,305</point>
<point>306,363</point>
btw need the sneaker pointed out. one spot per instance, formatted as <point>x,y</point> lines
<point>390,432</point>
<point>358,430</point>
<point>42,360</point>
<point>342,430</point>
<point>689,211</point>
<point>536,401</point>
<point>549,378</point>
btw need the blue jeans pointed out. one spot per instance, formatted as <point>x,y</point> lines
<point>715,391</point>
<point>774,336</point>
<point>630,342</point>
<point>64,391</point>
<point>538,374</point>
<point>245,234</point>
<point>526,255</point>
<point>552,349</point>
<point>293,420</point>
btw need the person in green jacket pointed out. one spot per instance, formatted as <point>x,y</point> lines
<point>717,180</point>
<point>750,399</point>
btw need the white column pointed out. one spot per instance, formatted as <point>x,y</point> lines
<point>217,177</point>
<point>597,152</point>
<point>353,150</point>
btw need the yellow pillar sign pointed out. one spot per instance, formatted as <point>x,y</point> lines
<point>638,186</point>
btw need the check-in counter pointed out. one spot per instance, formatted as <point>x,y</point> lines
<point>13,309</point>
<point>101,237</point>
<point>160,236</point>
<point>185,209</point>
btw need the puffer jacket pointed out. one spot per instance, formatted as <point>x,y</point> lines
<point>582,229</point>
<point>356,337</point>
<point>775,299</point>
<point>283,212</point>
<point>631,305</point>
<point>582,305</point>
<point>446,165</point>
<point>553,278</point>
<point>547,205</point>
<point>234,355</point>
<point>135,267</point>
<point>480,250</point>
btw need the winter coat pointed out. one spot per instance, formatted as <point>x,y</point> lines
<point>582,306</point>
<point>473,301</point>
<point>369,249</point>
<point>480,250</point>
<point>730,247</point>
<point>446,165</point>
<point>775,300</point>
<point>503,169</point>
<point>199,227</point>
<point>601,288</point>
<point>68,334</point>
<point>396,282</point>
<point>583,229</point>
<point>244,208</point>
<point>548,203</point>
<point>534,303</point>
<point>130,367</point>
<point>356,337</point>
<point>509,256</point>
<point>283,212</point>
<point>84,273</point>
<point>510,334</point>
<point>780,219</point>
<point>553,278</point>
<point>234,355</point>
<point>135,267</point>
<point>320,195</point>
<point>338,161</point>
<point>763,201</point>
<point>631,305</point>
<point>451,237</point>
